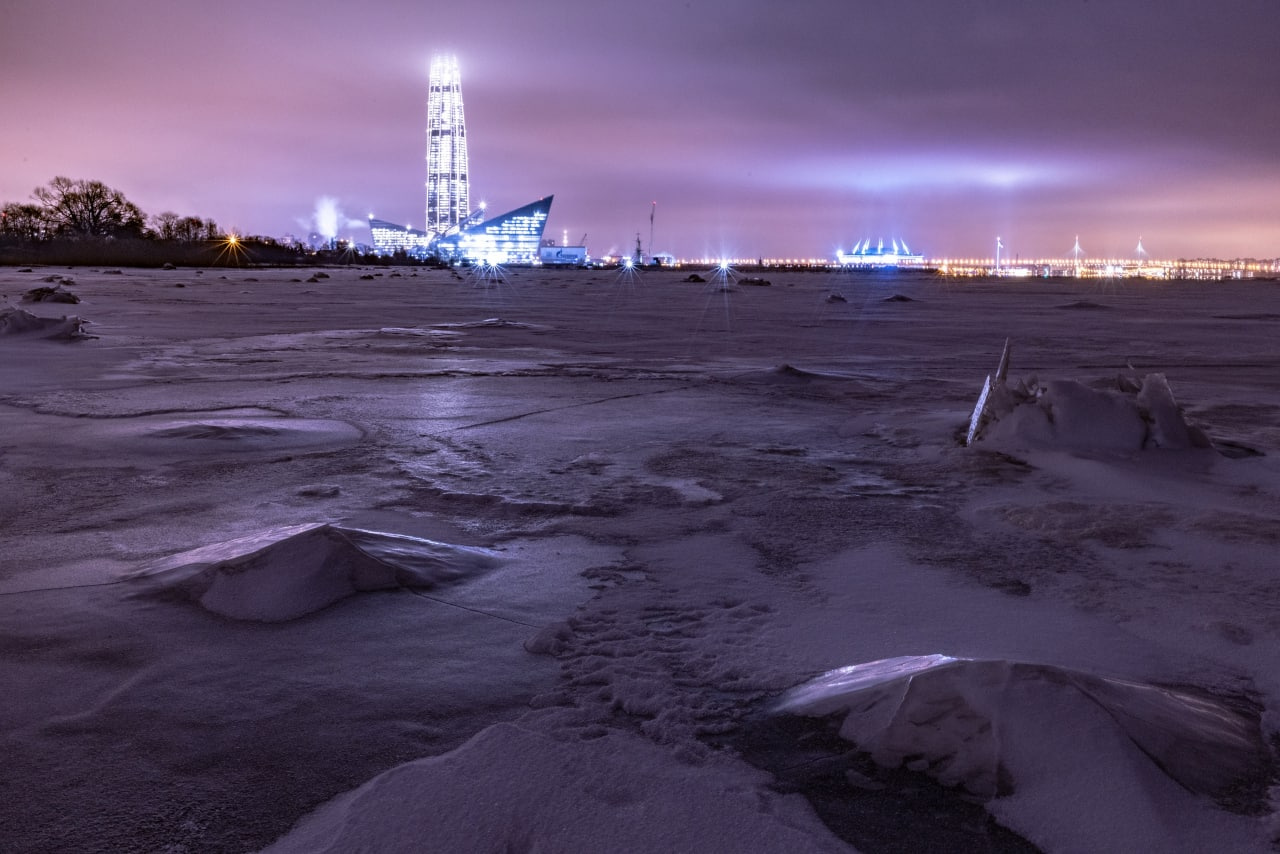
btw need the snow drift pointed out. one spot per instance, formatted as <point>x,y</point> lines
<point>246,433</point>
<point>17,322</point>
<point>515,789</point>
<point>1030,737</point>
<point>285,573</point>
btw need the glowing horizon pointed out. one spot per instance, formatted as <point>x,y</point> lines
<point>764,138</point>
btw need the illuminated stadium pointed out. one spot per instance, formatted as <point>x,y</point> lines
<point>863,254</point>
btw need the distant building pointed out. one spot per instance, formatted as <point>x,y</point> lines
<point>448,185</point>
<point>510,238</point>
<point>389,237</point>
<point>562,256</point>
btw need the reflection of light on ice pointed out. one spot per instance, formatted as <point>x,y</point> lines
<point>447,400</point>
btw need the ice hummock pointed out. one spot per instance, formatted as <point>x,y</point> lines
<point>18,322</point>
<point>289,572</point>
<point>1124,415</point>
<point>1030,737</point>
<point>954,713</point>
<point>1069,414</point>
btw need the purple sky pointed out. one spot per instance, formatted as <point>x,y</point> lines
<point>760,128</point>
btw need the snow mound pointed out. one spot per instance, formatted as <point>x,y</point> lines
<point>286,573</point>
<point>787,373</point>
<point>790,371</point>
<point>514,789</point>
<point>246,433</point>
<point>226,431</point>
<point>1034,738</point>
<point>488,323</point>
<point>1069,414</point>
<point>17,322</point>
<point>57,293</point>
<point>412,332</point>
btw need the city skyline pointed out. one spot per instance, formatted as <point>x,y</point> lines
<point>759,131</point>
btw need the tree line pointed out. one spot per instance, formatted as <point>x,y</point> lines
<point>78,209</point>
<point>86,222</point>
<point>81,222</point>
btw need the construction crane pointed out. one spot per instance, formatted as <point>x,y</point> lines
<point>653,210</point>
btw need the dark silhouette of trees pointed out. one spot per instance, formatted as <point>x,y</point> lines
<point>87,222</point>
<point>187,229</point>
<point>23,221</point>
<point>164,225</point>
<point>88,209</point>
<point>194,228</point>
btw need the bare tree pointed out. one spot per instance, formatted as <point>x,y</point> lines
<point>88,208</point>
<point>165,225</point>
<point>23,220</point>
<point>170,226</point>
<point>188,228</point>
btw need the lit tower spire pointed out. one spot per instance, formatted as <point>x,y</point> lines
<point>448,190</point>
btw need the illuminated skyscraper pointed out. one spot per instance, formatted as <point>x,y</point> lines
<point>454,232</point>
<point>448,197</point>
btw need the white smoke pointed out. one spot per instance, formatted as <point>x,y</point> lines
<point>328,218</point>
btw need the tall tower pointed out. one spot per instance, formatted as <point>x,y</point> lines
<point>448,196</point>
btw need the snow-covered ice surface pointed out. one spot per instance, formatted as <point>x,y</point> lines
<point>427,562</point>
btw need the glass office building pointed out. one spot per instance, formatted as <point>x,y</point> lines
<point>389,237</point>
<point>510,238</point>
